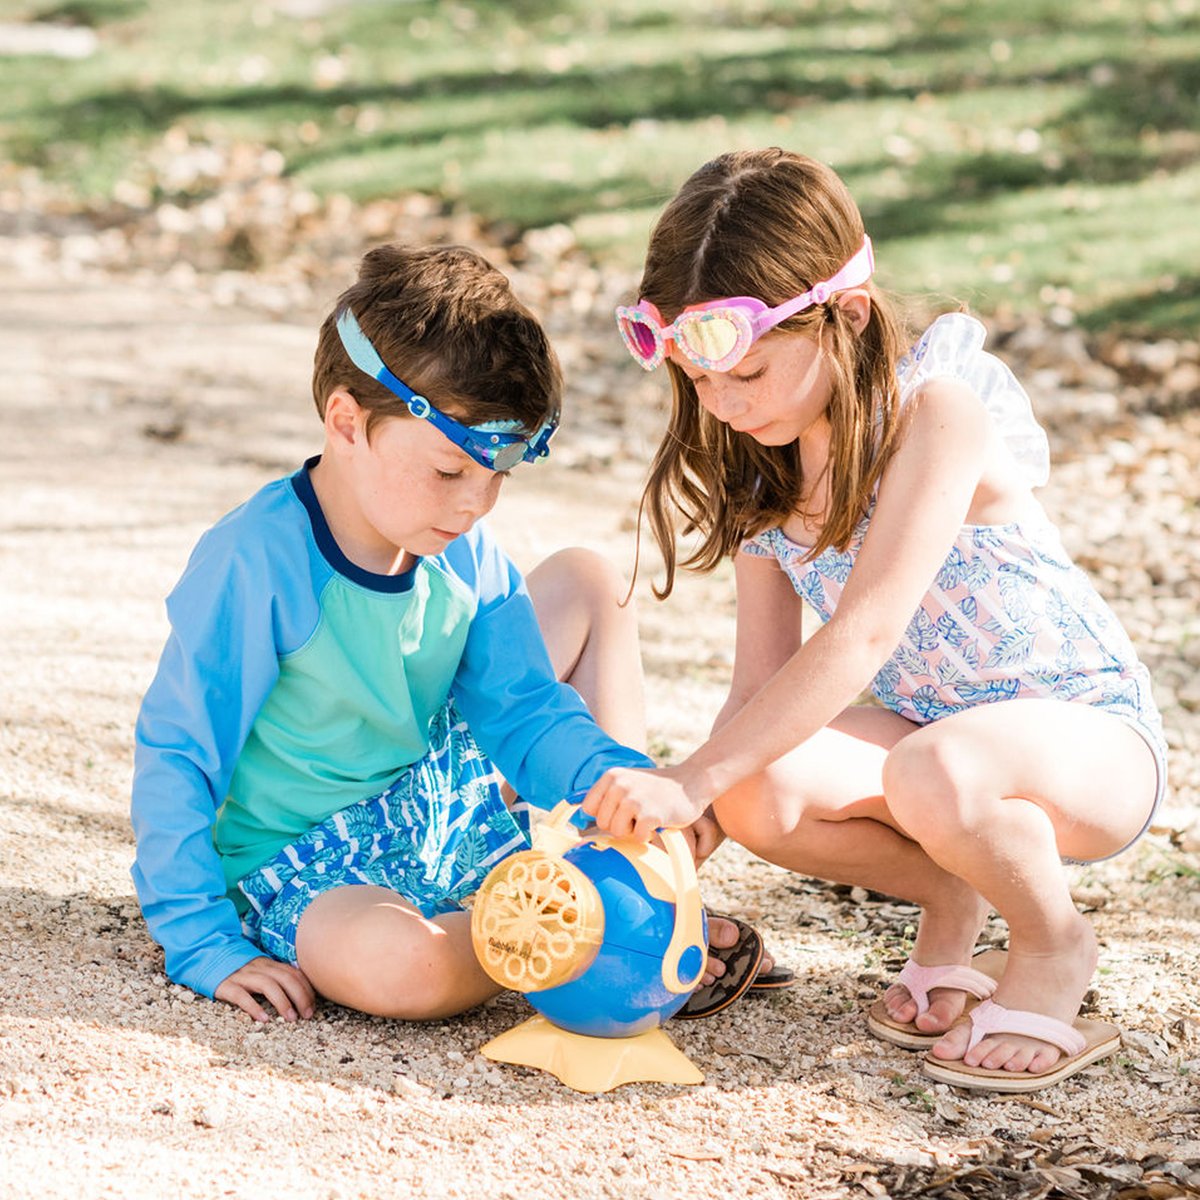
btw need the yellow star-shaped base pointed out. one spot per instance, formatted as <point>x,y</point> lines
<point>593,1064</point>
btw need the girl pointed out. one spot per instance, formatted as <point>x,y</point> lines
<point>892,492</point>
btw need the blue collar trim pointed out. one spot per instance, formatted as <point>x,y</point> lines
<point>332,552</point>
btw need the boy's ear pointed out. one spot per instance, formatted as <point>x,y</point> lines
<point>344,418</point>
<point>856,304</point>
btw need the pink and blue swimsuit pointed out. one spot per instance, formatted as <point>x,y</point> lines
<point>1009,616</point>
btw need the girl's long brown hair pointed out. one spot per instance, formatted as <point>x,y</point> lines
<point>770,224</point>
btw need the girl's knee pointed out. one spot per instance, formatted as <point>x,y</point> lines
<point>929,781</point>
<point>752,815</point>
<point>736,820</point>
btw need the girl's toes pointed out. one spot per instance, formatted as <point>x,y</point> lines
<point>899,1004</point>
<point>938,1017</point>
<point>1042,1060</point>
<point>991,1054</point>
<point>1020,1059</point>
<point>953,1045</point>
<point>1012,1054</point>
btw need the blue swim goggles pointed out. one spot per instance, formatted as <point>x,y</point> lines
<point>492,444</point>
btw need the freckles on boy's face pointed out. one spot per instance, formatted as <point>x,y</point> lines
<point>418,490</point>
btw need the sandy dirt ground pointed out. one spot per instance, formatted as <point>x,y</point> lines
<point>136,408</point>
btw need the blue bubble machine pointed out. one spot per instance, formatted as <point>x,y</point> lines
<point>606,937</point>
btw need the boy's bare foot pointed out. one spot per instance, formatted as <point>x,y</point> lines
<point>723,933</point>
<point>1051,982</point>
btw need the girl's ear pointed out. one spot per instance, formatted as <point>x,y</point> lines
<point>856,304</point>
<point>344,418</point>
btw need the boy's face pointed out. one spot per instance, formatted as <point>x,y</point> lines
<point>410,489</point>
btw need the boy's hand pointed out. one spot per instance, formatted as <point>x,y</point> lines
<point>285,987</point>
<point>634,802</point>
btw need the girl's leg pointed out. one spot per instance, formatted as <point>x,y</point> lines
<point>820,811</point>
<point>998,794</point>
<point>418,969</point>
<point>592,639</point>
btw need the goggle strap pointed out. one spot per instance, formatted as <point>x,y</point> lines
<point>857,271</point>
<point>400,388</point>
<point>367,359</point>
<point>358,346</point>
<point>540,445</point>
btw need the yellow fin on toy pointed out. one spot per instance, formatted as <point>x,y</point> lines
<point>555,834</point>
<point>593,1064</point>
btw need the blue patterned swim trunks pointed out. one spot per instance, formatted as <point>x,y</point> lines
<point>431,837</point>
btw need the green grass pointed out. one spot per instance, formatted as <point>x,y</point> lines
<point>1009,153</point>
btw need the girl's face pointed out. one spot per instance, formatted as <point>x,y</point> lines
<point>777,394</point>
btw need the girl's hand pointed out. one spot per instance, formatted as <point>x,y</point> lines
<point>285,987</point>
<point>703,836</point>
<point>634,802</point>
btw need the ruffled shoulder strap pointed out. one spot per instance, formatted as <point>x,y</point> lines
<point>952,347</point>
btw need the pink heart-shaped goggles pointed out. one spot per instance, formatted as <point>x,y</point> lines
<point>715,335</point>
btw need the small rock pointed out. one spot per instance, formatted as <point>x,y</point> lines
<point>403,1085</point>
<point>211,1115</point>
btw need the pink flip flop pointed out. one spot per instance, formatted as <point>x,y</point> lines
<point>978,980</point>
<point>1082,1043</point>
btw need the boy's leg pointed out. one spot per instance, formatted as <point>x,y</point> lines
<point>369,949</point>
<point>592,638</point>
<point>999,794</point>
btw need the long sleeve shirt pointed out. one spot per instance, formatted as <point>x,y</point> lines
<point>294,683</point>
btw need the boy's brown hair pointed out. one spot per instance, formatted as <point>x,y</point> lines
<point>446,322</point>
<point>766,223</point>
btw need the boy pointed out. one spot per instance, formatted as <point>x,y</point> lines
<point>350,652</point>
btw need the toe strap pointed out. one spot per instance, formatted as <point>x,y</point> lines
<point>920,981</point>
<point>991,1018</point>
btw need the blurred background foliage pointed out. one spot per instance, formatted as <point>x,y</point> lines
<point>1018,155</point>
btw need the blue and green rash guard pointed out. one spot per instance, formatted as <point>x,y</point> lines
<point>294,684</point>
